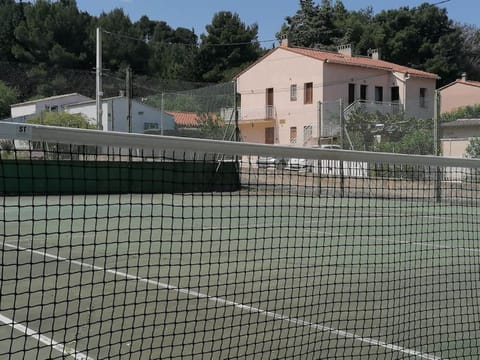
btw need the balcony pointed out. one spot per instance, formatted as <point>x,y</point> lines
<point>372,107</point>
<point>265,113</point>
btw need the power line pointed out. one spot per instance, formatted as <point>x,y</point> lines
<point>129,37</point>
<point>441,2</point>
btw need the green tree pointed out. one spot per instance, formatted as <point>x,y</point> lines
<point>464,112</point>
<point>172,52</point>
<point>414,141</point>
<point>123,43</point>
<point>62,119</point>
<point>422,37</point>
<point>145,27</point>
<point>473,148</point>
<point>53,33</point>
<point>360,29</point>
<point>8,96</point>
<point>390,133</point>
<point>227,48</point>
<point>11,15</point>
<point>313,25</point>
<point>62,151</point>
<point>212,126</point>
<point>471,50</point>
<point>473,151</point>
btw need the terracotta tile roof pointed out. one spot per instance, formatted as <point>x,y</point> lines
<point>337,58</point>
<point>470,82</point>
<point>188,119</point>
<point>184,119</point>
<point>464,82</point>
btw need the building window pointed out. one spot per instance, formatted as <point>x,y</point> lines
<point>307,133</point>
<point>140,113</point>
<point>293,92</point>
<point>308,95</point>
<point>363,92</point>
<point>351,93</point>
<point>269,135</point>
<point>395,94</point>
<point>53,108</point>
<point>379,93</point>
<point>293,135</point>
<point>423,95</point>
<point>148,126</point>
<point>269,103</point>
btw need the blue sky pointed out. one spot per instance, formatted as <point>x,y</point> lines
<point>268,14</point>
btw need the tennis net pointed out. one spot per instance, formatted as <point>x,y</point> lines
<point>132,246</point>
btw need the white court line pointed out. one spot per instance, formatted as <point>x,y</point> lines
<point>44,339</point>
<point>331,233</point>
<point>240,306</point>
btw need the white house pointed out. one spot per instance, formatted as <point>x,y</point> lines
<point>115,115</point>
<point>28,109</point>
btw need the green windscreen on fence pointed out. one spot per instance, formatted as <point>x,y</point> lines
<point>133,246</point>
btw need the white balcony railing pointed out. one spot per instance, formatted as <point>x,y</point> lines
<point>382,107</point>
<point>259,113</point>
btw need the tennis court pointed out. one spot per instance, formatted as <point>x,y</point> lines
<point>280,268</point>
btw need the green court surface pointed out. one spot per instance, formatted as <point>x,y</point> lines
<point>233,275</point>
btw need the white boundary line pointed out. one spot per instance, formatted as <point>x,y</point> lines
<point>240,306</point>
<point>43,339</point>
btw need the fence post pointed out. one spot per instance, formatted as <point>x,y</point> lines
<point>342,124</point>
<point>342,144</point>
<point>320,120</point>
<point>436,145</point>
<point>235,111</point>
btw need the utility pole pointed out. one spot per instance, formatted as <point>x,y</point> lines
<point>98,72</point>
<point>128,86</point>
<point>161,115</point>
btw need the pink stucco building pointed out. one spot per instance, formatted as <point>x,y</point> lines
<point>293,95</point>
<point>460,93</point>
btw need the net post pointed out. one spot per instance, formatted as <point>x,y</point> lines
<point>436,145</point>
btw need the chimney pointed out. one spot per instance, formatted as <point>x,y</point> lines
<point>345,49</point>
<point>284,40</point>
<point>464,76</point>
<point>374,54</point>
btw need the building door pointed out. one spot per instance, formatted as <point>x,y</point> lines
<point>269,135</point>
<point>269,103</point>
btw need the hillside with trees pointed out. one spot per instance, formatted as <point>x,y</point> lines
<point>48,47</point>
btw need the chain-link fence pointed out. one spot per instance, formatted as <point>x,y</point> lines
<point>198,109</point>
<point>214,111</point>
<point>376,126</point>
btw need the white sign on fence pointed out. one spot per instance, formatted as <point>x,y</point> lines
<point>337,167</point>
